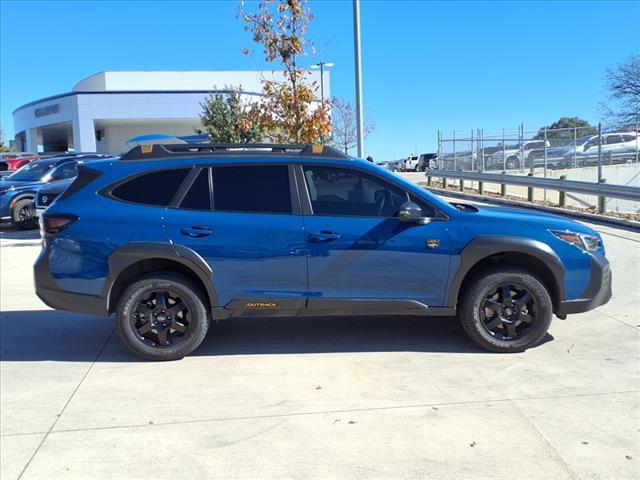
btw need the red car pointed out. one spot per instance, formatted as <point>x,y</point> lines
<point>13,161</point>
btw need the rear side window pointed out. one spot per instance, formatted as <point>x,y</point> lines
<point>251,188</point>
<point>198,197</point>
<point>154,188</point>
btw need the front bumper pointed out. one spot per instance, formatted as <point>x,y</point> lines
<point>53,296</point>
<point>598,291</point>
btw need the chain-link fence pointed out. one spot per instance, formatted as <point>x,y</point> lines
<point>592,154</point>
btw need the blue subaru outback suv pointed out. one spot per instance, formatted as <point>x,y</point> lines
<point>170,238</point>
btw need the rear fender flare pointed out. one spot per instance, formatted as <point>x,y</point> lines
<point>132,253</point>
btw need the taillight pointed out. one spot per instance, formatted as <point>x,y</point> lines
<point>55,223</point>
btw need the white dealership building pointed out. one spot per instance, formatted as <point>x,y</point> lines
<point>102,112</point>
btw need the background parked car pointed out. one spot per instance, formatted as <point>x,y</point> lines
<point>10,162</point>
<point>585,151</point>
<point>510,157</point>
<point>614,148</point>
<point>18,190</point>
<point>428,161</point>
<point>49,192</point>
<point>394,165</point>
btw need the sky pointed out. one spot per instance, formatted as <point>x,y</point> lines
<point>427,66</point>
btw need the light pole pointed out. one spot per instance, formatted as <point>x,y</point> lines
<point>356,44</point>
<point>322,66</point>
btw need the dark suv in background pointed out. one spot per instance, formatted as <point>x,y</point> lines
<point>18,190</point>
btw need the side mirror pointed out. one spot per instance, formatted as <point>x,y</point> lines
<point>410,212</point>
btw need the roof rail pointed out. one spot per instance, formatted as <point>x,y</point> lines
<point>153,152</point>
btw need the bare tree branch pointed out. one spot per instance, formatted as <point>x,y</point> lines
<point>623,84</point>
<point>345,126</point>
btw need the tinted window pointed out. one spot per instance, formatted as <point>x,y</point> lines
<point>251,188</point>
<point>155,188</point>
<point>198,197</point>
<point>66,170</point>
<point>611,139</point>
<point>32,172</point>
<point>335,191</point>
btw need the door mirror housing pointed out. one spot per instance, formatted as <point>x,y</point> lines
<point>410,212</point>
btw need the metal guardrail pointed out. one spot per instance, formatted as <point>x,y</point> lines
<point>601,190</point>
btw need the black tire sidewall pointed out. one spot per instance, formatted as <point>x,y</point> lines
<point>199,322</point>
<point>29,225</point>
<point>484,284</point>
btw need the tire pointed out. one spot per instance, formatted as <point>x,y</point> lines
<point>512,163</point>
<point>139,308</point>
<point>22,215</point>
<point>417,168</point>
<point>477,319</point>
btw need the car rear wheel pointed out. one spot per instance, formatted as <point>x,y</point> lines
<point>506,310</point>
<point>162,317</point>
<point>23,215</point>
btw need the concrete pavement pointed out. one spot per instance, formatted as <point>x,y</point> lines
<point>319,398</point>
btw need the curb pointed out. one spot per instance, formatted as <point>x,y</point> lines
<point>590,217</point>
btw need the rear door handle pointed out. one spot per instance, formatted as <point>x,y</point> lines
<point>196,231</point>
<point>324,236</point>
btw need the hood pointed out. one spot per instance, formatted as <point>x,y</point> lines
<point>522,216</point>
<point>6,185</point>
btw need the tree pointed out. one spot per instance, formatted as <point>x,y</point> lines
<point>289,112</point>
<point>565,129</point>
<point>227,119</point>
<point>623,85</point>
<point>345,127</point>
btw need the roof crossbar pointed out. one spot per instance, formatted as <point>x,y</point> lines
<point>154,152</point>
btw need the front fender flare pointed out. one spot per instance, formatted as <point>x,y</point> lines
<point>485,246</point>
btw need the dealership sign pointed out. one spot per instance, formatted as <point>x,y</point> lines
<point>48,110</point>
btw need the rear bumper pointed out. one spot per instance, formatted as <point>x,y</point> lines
<point>598,291</point>
<point>52,295</point>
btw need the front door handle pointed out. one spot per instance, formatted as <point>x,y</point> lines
<point>196,231</point>
<point>323,236</point>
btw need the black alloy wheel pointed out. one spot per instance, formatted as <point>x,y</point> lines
<point>508,312</point>
<point>160,318</point>
<point>23,215</point>
<point>506,309</point>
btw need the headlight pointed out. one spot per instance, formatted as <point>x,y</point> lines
<point>583,241</point>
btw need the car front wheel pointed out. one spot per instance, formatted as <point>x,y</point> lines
<point>22,215</point>
<point>162,317</point>
<point>512,163</point>
<point>506,310</point>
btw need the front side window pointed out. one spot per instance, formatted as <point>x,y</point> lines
<point>342,192</point>
<point>252,189</point>
<point>154,188</point>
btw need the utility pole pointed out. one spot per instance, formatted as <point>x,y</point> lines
<point>356,44</point>
<point>322,66</point>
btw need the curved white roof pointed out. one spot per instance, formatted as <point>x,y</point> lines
<point>204,80</point>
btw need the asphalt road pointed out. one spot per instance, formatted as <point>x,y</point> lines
<point>390,398</point>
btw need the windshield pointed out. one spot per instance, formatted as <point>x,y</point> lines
<point>583,140</point>
<point>31,172</point>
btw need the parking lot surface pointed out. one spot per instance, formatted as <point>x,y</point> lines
<point>392,397</point>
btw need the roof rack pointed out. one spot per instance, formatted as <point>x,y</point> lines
<point>153,152</point>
